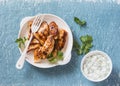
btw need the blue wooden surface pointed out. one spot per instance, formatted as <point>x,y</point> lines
<point>103,23</point>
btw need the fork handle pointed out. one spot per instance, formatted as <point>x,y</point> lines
<point>21,60</point>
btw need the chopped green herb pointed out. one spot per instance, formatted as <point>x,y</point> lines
<point>85,46</point>
<point>86,43</point>
<point>89,45</point>
<point>85,51</point>
<point>80,22</point>
<point>50,55</point>
<point>86,39</point>
<point>52,59</point>
<point>21,41</point>
<point>79,52</point>
<point>59,53</point>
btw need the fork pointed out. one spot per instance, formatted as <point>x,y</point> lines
<point>34,28</point>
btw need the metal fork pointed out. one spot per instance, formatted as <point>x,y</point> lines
<point>34,28</point>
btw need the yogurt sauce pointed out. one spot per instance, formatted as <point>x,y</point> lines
<point>96,67</point>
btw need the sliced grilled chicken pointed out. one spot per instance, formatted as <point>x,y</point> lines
<point>33,47</point>
<point>53,27</point>
<point>41,54</point>
<point>62,39</point>
<point>34,41</point>
<point>48,39</point>
<point>54,52</point>
<point>48,47</point>
<point>42,33</point>
<point>44,28</point>
<point>36,56</point>
<point>37,36</point>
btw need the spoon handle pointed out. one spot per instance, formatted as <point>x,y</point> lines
<point>21,60</point>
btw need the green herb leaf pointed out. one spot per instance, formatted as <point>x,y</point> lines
<point>50,55</point>
<point>20,41</point>
<point>85,46</point>
<point>60,57</point>
<point>80,22</point>
<point>79,52</point>
<point>86,39</point>
<point>86,51</point>
<point>59,53</point>
<point>89,38</point>
<point>88,45</point>
<point>83,39</point>
<point>53,60</point>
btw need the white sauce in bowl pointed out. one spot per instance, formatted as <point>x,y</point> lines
<point>96,66</point>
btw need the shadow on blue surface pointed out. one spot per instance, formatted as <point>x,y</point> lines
<point>58,70</point>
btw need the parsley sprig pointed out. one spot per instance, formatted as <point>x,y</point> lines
<point>52,59</point>
<point>85,46</point>
<point>21,41</point>
<point>80,22</point>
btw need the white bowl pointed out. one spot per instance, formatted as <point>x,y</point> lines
<point>66,50</point>
<point>96,52</point>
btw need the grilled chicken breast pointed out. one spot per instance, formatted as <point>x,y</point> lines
<point>48,47</point>
<point>34,41</point>
<point>48,39</point>
<point>53,28</point>
<point>36,56</point>
<point>33,47</point>
<point>61,39</point>
<point>44,28</point>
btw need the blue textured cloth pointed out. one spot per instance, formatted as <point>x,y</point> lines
<point>103,23</point>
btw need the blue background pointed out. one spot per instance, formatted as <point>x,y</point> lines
<point>103,23</point>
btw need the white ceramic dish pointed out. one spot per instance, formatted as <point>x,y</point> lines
<point>66,50</point>
<point>96,52</point>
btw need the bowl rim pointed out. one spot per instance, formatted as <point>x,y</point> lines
<point>95,52</point>
<point>69,31</point>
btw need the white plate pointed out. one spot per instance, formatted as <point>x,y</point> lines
<point>61,24</point>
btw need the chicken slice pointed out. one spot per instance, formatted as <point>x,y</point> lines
<point>33,47</point>
<point>37,36</point>
<point>42,33</point>
<point>53,27</point>
<point>36,56</point>
<point>61,40</point>
<point>48,47</point>
<point>44,28</point>
<point>34,41</point>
